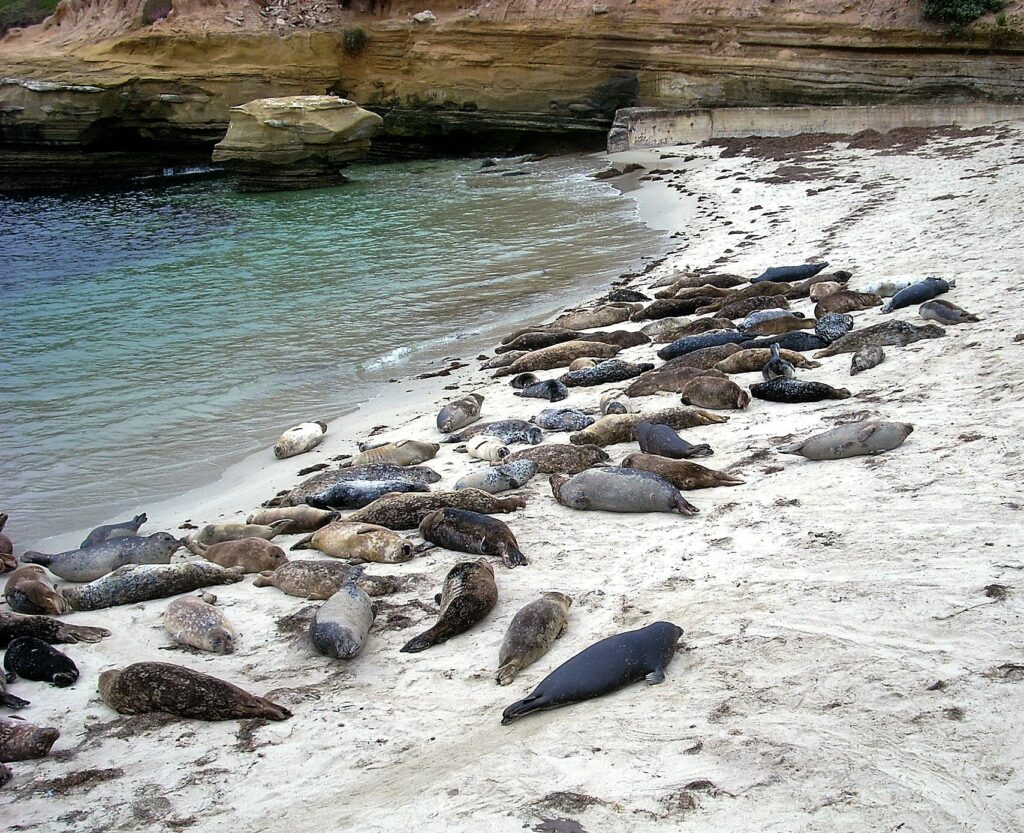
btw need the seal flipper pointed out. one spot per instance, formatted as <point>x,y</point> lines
<point>521,708</point>
<point>32,557</point>
<point>303,543</point>
<point>513,557</point>
<point>9,701</point>
<point>685,507</point>
<point>656,677</point>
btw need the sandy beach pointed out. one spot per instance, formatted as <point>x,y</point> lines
<point>830,675</point>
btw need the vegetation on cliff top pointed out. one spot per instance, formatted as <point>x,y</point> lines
<point>959,14</point>
<point>24,12</point>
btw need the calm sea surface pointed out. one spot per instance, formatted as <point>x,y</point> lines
<point>154,337</point>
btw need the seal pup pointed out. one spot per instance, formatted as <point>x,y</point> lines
<point>509,431</point>
<point>671,379</point>
<point>219,533</point>
<point>406,511</point>
<point>299,439</point>
<point>664,442</point>
<point>468,595</point>
<point>795,390</point>
<point>615,401</point>
<point>317,580</point>
<point>34,659</point>
<point>464,531</point>
<point>562,419</point>
<point>918,293</point>
<point>712,338</point>
<point>252,555</point>
<point>615,489</point>
<point>143,582</point>
<point>13,625</point>
<point>192,621</point>
<point>485,447</point>
<point>324,480</point>
<point>400,453</point>
<point>604,667</point>
<point>778,274</point>
<point>114,530</point>
<point>355,494</point>
<point>560,458</point>
<point>886,334</point>
<point>300,518</point>
<point>716,394</point>
<point>946,312</point>
<point>777,367</point>
<point>754,360</point>
<point>553,390</point>
<point>832,326</point>
<point>612,370</point>
<point>499,478</point>
<point>358,542</point>
<point>682,474</point>
<point>845,301</point>
<point>531,633</point>
<point>339,628</point>
<point>90,563</point>
<point>460,413</point>
<point>29,590</point>
<point>21,741</point>
<point>856,439</point>
<point>526,379</point>
<point>620,428</point>
<point>162,687</point>
<point>7,560</point>
<point>558,356</point>
<point>866,358</point>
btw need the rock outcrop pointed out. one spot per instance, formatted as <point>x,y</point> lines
<point>277,144</point>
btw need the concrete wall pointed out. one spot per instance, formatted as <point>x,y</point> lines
<point>644,127</point>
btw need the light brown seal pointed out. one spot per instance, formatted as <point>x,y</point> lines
<point>559,356</point>
<point>753,359</point>
<point>192,621</point>
<point>29,590</point>
<point>301,518</point>
<point>846,301</point>
<point>582,364</point>
<point>778,326</point>
<point>405,511</point>
<point>946,312</point>
<point>824,289</point>
<point>560,458</point>
<point>534,340</point>
<point>301,438</point>
<point>218,533</point>
<point>253,555</point>
<point>604,316</point>
<point>358,542</point>
<point>400,453</point>
<point>757,290</point>
<point>717,394</point>
<point>866,358</point>
<point>21,741</point>
<point>469,594</point>
<point>308,579</point>
<point>531,633</point>
<point>503,359</point>
<point>618,428</point>
<point>704,358</point>
<point>682,474</point>
<point>667,335</point>
<point>671,379</point>
<point>162,687</point>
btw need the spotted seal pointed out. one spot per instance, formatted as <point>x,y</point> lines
<point>754,360</point>
<point>406,511</point>
<point>615,401</point>
<point>29,590</point>
<point>34,659</point>
<point>716,394</point>
<point>358,542</point>
<point>90,563</point>
<point>562,419</point>
<point>712,338</point>
<point>918,293</point>
<point>193,621</point>
<point>946,312</point>
<point>460,413</point>
<point>558,458</point>
<point>400,453</point>
<point>824,289</point>
<point>853,440</point>
<point>613,370</point>
<point>531,633</point>
<point>777,367</point>
<point>795,390</point>
<point>13,625</point>
<point>779,326</point>
<point>509,431</point>
<point>704,358</point>
<point>143,582</point>
<point>324,480</point>
<point>682,474</point>
<point>833,326</point>
<point>742,295</point>
<point>745,306</point>
<point>845,301</point>
<point>319,579</point>
<point>616,489</point>
<point>341,625</point>
<point>558,356</point>
<point>619,428</point>
<point>762,315</point>
<point>219,533</point>
<point>667,330</point>
<point>300,518</point>
<point>499,478</point>
<point>524,380</point>
<point>672,379</point>
<point>106,532</point>
<point>866,358</point>
<point>604,667</point>
<point>21,741</point>
<point>886,334</point>
<point>554,390</point>
<point>466,531</point>
<point>355,494</point>
<point>251,555</point>
<point>661,440</point>
<point>162,687</point>
<point>468,595</point>
<point>299,439</point>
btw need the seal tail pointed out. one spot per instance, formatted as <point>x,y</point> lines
<point>791,448</point>
<point>434,636</point>
<point>9,701</point>
<point>261,707</point>
<point>507,673</point>
<point>303,543</point>
<point>84,633</point>
<point>513,557</point>
<point>521,708</point>
<point>41,558</point>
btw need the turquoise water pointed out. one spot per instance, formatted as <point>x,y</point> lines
<point>156,336</point>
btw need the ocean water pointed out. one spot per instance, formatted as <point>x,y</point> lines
<point>154,337</point>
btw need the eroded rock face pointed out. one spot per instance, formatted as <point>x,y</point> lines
<point>296,142</point>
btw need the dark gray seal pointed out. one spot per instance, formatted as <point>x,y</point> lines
<point>777,367</point>
<point>614,489</point>
<point>562,419</point>
<point>612,370</point>
<point>376,471</point>
<point>469,594</point>
<point>552,390</point>
<point>866,358</point>
<point>460,413</point>
<point>89,563</point>
<point>462,530</point>
<point>781,274</point>
<point>854,440</point>
<point>406,511</point>
<point>34,659</point>
<point>664,442</point>
<point>355,494</point>
<point>537,340</point>
<point>712,338</point>
<point>798,341</point>
<point>887,334</point>
<point>509,431</point>
<point>604,667</point>
<point>946,312</point>
<point>918,293</point>
<point>30,590</point>
<point>795,390</point>
<point>833,326</point>
<point>13,625</point>
<point>499,478</point>
<point>140,583</point>
<point>339,628</point>
<point>523,380</point>
<point>115,530</point>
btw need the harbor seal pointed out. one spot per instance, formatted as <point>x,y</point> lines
<point>615,401</point>
<point>797,342</point>
<point>619,428</point>
<point>562,419</point>
<point>21,741</point>
<point>704,358</point>
<point>558,356</point>
<point>504,359</point>
<point>615,489</point>
<point>682,474</point>
<point>355,494</point>
<point>400,453</point>
<point>524,380</point>
<point>824,289</point>
<point>833,326</point>
<point>918,293</point>
<point>745,306</point>
<point>664,442</point>
<point>619,338</point>
<point>844,301</point>
<point>299,439</point>
<point>795,390</point>
<point>777,367</point>
<point>712,338</point>
<point>324,480</point>
<point>114,530</point>
<point>666,330</point>
<point>866,358</point>
<point>191,621</point>
<point>623,294</point>
<point>531,633</point>
<point>143,582</point>
<point>219,533</point>
<point>8,700</point>
<point>499,478</point>
<point>604,667</point>
<point>13,625</point>
<point>746,293</point>
<point>703,291</point>
<point>946,312</point>
<point>462,530</point>
<point>29,590</point>
<point>358,542</point>
<point>300,518</point>
<point>535,340</point>
<point>532,328</point>
<point>317,580</point>
<point>509,431</point>
<point>779,325</point>
<point>716,394</point>
<point>886,334</point>
<point>672,379</point>
<point>34,659</point>
<point>145,687</point>
<point>341,625</point>
<point>468,595</point>
<point>485,447</point>
<point>672,307</point>
<point>754,360</point>
<point>92,562</point>
<point>719,280</point>
<point>406,511</point>
<point>575,364</point>
<point>760,315</point>
<point>802,272</point>
<point>803,289</point>
<point>613,370</point>
<point>853,440</point>
<point>460,413</point>
<point>558,458</point>
<point>553,390</point>
<point>252,555</point>
<point>7,560</point>
<point>604,316</point>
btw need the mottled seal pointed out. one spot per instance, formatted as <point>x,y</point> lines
<point>21,741</point>
<point>309,579</point>
<point>798,342</point>
<point>779,326</point>
<point>466,531</point>
<point>918,293</point>
<point>532,328</point>
<point>504,359</point>
<point>559,458</point>
<point>946,312</point>
<point>34,659</point>
<point>536,340</point>
<point>29,590</point>
<point>300,518</point>
<point>615,489</point>
<point>562,419</point>
<point>619,338</point>
<point>324,480</point>
<point>754,359</point>
<point>92,562</point>
<point>485,447</point>
<point>719,280</point>
<point>252,555</point>
<point>191,621</point>
<point>615,401</point>
<point>866,358</point>
<point>716,394</point>
<point>460,413</point>
<point>613,370</point>
<point>845,301</point>
<point>115,530</point>
<point>824,289</point>
<point>532,631</point>
<point>604,316</point>
<point>623,294</point>
<point>604,667</point>
<point>355,494</point>
<point>553,390</point>
<point>704,358</point>
<point>668,334</point>
<point>886,334</point>
<point>712,338</point>
<point>218,533</point>
<point>499,478</point>
<point>671,307</point>
<point>142,582</point>
<point>509,431</point>
<point>853,440</point>
<point>468,595</point>
<point>682,474</point>
<point>524,380</point>
<point>406,511</point>
<point>558,356</point>
<point>619,428</point>
<point>13,625</point>
<point>7,560</point>
<point>339,628</point>
<point>358,542</point>
<point>833,326</point>
<point>795,390</point>
<point>672,379</point>
<point>663,441</point>
<point>745,306</point>
<point>161,687</point>
<point>299,439</point>
<point>761,315</point>
<point>703,291</point>
<point>777,367</point>
<point>746,293</point>
<point>400,453</point>
<point>576,364</point>
<point>790,273</point>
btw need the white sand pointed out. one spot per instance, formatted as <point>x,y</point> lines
<point>811,597</point>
